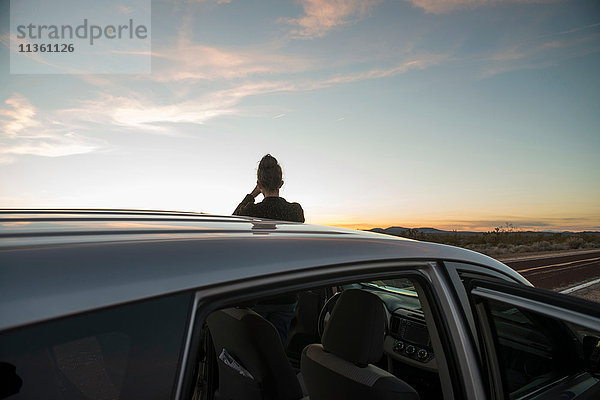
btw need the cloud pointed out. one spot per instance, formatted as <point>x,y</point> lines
<point>211,1</point>
<point>56,145</point>
<point>509,54</point>
<point>321,16</point>
<point>24,132</point>
<point>416,63</point>
<point>242,73</point>
<point>143,113</point>
<point>189,61</point>
<point>581,28</point>
<point>140,112</point>
<point>444,6</point>
<point>17,116</point>
<point>538,54</point>
<point>183,60</point>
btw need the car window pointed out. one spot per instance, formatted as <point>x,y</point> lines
<point>525,349</point>
<point>129,351</point>
<point>533,351</point>
<point>241,342</point>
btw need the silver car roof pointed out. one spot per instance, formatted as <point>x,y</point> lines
<point>60,262</point>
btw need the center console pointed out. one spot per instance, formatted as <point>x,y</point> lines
<point>408,340</point>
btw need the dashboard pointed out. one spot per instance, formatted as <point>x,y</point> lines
<point>407,339</point>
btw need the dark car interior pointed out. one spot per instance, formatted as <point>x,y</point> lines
<point>538,355</point>
<point>355,341</point>
<point>537,351</point>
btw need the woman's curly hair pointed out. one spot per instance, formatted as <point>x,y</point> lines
<point>269,173</point>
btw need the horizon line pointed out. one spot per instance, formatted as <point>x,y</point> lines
<point>476,229</point>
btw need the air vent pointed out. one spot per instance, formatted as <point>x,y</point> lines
<point>395,324</point>
<point>415,318</point>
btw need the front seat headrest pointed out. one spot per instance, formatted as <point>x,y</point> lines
<point>356,328</point>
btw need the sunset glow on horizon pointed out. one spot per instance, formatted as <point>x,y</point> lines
<point>455,115</point>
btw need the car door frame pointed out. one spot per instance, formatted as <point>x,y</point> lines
<point>551,304</point>
<point>459,368</point>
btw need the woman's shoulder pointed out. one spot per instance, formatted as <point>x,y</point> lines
<point>294,204</point>
<point>297,211</point>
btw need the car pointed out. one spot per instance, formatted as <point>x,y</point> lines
<point>131,304</point>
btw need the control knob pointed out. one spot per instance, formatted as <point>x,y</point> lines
<point>399,346</point>
<point>422,354</point>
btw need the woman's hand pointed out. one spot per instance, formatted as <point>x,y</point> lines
<point>256,191</point>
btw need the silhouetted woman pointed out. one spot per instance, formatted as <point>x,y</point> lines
<point>273,207</point>
<point>278,310</point>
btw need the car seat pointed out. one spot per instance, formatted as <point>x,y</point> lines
<point>251,359</point>
<point>342,367</point>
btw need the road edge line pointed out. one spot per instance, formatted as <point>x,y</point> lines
<point>579,287</point>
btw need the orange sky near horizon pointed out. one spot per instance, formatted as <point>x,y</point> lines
<point>474,225</point>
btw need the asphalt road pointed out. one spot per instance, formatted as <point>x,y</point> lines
<point>561,273</point>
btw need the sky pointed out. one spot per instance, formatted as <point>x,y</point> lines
<point>454,114</point>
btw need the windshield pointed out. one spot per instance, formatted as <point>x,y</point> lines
<point>401,285</point>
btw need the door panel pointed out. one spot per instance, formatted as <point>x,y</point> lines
<point>534,341</point>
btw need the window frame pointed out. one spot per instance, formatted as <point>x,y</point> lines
<point>549,304</point>
<point>456,368</point>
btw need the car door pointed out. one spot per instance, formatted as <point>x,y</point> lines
<point>536,344</point>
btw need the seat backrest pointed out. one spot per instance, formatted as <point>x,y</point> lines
<point>341,368</point>
<point>303,329</point>
<point>254,344</point>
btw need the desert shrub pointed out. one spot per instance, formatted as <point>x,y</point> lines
<point>575,242</point>
<point>509,240</point>
<point>543,245</point>
<point>523,248</point>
